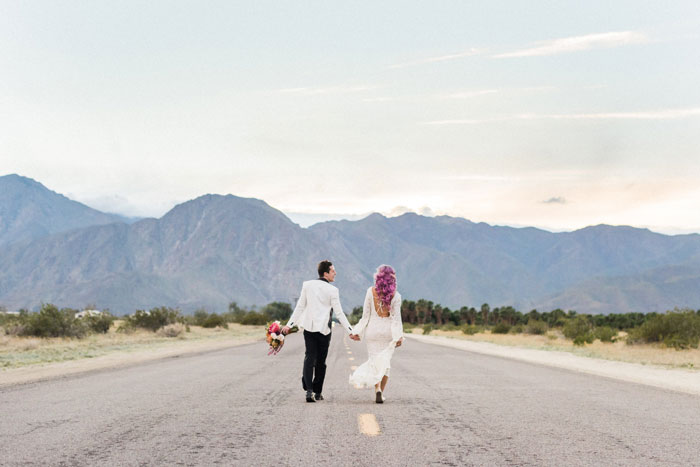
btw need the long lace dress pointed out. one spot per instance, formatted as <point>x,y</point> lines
<point>380,334</point>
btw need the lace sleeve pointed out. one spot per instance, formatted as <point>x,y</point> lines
<point>361,325</point>
<point>396,323</point>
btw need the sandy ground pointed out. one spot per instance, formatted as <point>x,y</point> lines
<point>647,354</point>
<point>676,379</point>
<point>122,358</point>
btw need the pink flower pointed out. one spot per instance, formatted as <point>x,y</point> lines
<point>274,328</point>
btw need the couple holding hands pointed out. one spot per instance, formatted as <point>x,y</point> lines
<point>380,328</point>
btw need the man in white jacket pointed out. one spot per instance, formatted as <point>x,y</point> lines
<point>317,301</point>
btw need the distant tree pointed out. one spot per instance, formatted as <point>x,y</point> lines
<point>437,314</point>
<point>281,311</point>
<point>408,312</point>
<point>485,310</point>
<point>424,311</point>
<point>356,315</point>
<point>235,313</point>
<point>200,316</point>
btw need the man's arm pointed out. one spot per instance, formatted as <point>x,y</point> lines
<point>338,310</point>
<point>301,304</point>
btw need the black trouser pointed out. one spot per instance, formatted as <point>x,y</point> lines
<point>315,360</point>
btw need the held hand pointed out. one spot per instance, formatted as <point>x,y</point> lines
<point>285,330</point>
<point>399,342</point>
<point>355,337</point>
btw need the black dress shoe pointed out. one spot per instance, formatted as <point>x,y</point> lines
<point>310,397</point>
<point>318,396</point>
<point>379,399</point>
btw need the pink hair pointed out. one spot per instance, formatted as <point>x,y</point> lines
<point>385,284</point>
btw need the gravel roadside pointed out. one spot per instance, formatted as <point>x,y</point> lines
<point>675,379</point>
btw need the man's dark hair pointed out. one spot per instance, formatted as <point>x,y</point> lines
<point>324,267</point>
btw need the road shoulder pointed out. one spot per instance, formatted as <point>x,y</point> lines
<point>36,373</point>
<point>674,379</point>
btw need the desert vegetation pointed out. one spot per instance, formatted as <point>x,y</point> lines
<point>677,328</point>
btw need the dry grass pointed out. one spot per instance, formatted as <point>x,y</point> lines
<point>16,352</point>
<point>643,353</point>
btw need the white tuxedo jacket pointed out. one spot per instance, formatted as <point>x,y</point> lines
<point>317,300</point>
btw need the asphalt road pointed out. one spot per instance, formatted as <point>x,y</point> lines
<point>444,407</point>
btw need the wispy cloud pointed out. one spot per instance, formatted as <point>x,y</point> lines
<point>666,114</point>
<point>379,99</point>
<point>555,200</point>
<point>311,91</point>
<point>440,58</point>
<point>579,43</point>
<point>479,178</point>
<point>470,94</point>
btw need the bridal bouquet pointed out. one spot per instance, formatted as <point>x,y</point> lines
<point>275,338</point>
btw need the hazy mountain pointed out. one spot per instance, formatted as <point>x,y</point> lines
<point>205,252</point>
<point>215,249</point>
<point>29,210</point>
<point>457,262</point>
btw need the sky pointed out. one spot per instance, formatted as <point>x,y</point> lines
<point>554,114</point>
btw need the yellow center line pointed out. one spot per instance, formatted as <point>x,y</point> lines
<point>368,425</point>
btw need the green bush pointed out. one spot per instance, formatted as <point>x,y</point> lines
<point>214,320</point>
<point>448,327</point>
<point>153,319</point>
<point>277,311</point>
<point>52,322</point>
<point>605,333</point>
<point>254,318</point>
<point>679,329</point>
<point>517,329</point>
<point>408,327</point>
<point>579,329</point>
<point>501,328</point>
<point>199,317</point>
<point>471,329</point>
<point>207,320</point>
<point>536,327</point>
<point>100,323</point>
<point>427,329</point>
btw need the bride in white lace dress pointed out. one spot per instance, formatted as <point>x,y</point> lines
<point>381,329</point>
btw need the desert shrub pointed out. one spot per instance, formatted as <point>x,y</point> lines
<point>199,317</point>
<point>517,329</point>
<point>206,320</point>
<point>277,311</point>
<point>100,323</point>
<point>605,333</point>
<point>15,329</point>
<point>536,327</point>
<point>471,329</point>
<point>254,318</point>
<point>171,330</point>
<point>214,320</point>
<point>153,319</point>
<point>427,329</point>
<point>501,328</point>
<point>579,329</point>
<point>679,329</point>
<point>235,313</point>
<point>408,326</point>
<point>449,327</point>
<point>49,321</point>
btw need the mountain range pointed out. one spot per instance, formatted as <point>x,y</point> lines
<point>216,249</point>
